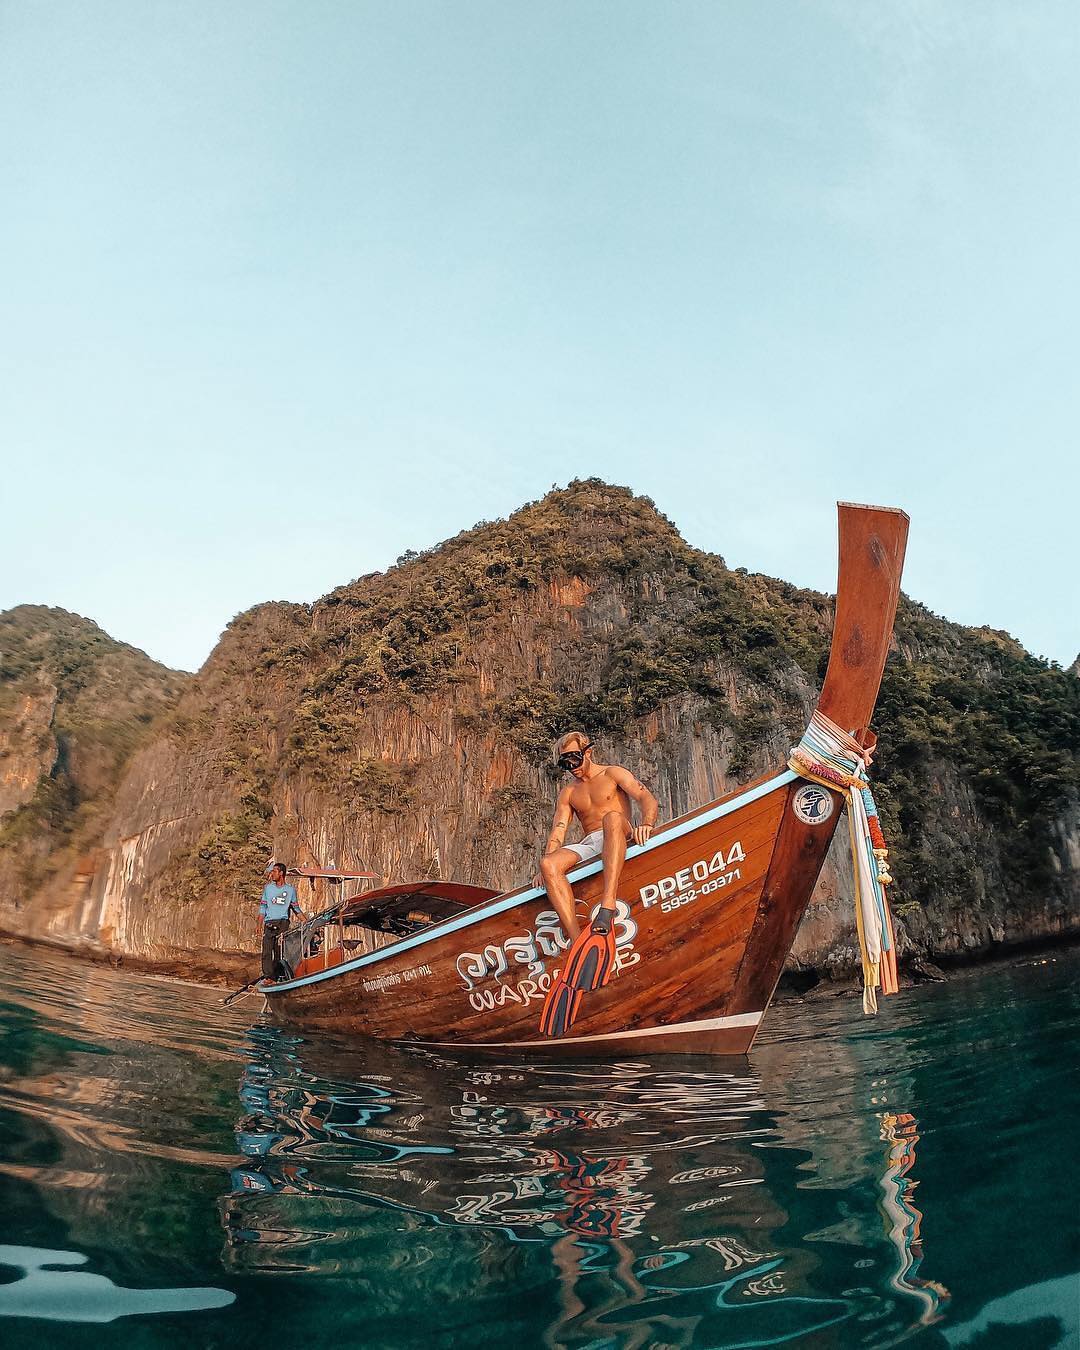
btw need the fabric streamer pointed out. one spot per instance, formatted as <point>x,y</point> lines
<point>829,756</point>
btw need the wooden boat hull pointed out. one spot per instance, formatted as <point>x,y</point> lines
<point>708,892</point>
<point>707,914</point>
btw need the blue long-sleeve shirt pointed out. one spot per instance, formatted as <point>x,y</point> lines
<point>278,902</point>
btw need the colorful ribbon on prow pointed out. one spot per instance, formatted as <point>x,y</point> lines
<point>829,756</point>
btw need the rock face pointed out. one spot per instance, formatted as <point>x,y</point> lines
<point>74,706</point>
<point>27,745</point>
<point>402,725</point>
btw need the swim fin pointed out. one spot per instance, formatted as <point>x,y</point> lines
<point>560,1009</point>
<point>591,959</point>
<point>589,964</point>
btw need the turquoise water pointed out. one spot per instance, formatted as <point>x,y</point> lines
<point>174,1173</point>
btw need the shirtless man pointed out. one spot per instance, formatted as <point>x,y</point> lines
<point>600,797</point>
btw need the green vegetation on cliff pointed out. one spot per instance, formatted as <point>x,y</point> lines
<point>684,619</point>
<point>1007,723</point>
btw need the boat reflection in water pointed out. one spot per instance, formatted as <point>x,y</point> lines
<point>627,1203</point>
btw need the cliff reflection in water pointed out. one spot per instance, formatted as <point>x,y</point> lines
<point>633,1203</point>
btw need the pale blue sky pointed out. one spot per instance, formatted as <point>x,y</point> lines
<point>289,288</point>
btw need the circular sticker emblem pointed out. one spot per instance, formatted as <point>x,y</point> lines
<point>812,804</point>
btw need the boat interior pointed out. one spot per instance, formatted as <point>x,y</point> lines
<point>362,923</point>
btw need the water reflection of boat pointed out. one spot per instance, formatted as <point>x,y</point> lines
<point>900,1132</point>
<point>667,1189</point>
<point>713,903</point>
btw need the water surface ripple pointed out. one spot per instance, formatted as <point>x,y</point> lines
<point>197,1176</point>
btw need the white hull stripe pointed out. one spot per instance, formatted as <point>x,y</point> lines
<point>675,1028</point>
<point>534,892</point>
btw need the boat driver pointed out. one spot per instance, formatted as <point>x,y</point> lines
<point>277,906</point>
<point>599,795</point>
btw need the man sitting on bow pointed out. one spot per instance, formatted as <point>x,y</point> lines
<point>599,796</point>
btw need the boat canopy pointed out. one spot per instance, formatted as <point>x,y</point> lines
<point>330,874</point>
<point>393,911</point>
<point>404,909</point>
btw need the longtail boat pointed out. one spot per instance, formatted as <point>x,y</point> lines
<point>711,903</point>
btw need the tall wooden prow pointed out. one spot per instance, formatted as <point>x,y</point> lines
<point>873,540</point>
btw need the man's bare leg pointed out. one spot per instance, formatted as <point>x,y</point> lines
<point>553,870</point>
<point>616,830</point>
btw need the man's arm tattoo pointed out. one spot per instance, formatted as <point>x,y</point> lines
<point>558,832</point>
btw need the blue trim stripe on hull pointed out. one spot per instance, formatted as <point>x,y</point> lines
<point>534,893</point>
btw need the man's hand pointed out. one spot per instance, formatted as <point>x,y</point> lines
<point>538,881</point>
<point>641,833</point>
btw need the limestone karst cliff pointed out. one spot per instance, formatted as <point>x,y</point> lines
<point>74,706</point>
<point>402,724</point>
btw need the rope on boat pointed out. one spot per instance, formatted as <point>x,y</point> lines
<point>829,756</point>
